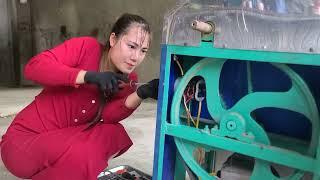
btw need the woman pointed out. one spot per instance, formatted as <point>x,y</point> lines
<point>72,127</point>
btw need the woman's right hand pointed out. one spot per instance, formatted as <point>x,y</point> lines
<point>106,81</point>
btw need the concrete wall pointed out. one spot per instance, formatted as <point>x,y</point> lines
<point>82,17</point>
<point>6,58</point>
<point>23,39</point>
<point>4,25</point>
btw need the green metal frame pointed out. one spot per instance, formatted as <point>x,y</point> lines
<point>260,151</point>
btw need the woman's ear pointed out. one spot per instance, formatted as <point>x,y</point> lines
<point>112,39</point>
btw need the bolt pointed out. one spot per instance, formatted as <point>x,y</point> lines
<point>231,125</point>
<point>311,49</point>
<point>206,129</point>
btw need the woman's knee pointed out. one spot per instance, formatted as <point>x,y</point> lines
<point>18,162</point>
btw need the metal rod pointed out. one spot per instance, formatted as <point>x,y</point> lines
<point>139,84</point>
<point>203,120</point>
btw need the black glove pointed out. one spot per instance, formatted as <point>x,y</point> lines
<point>106,81</point>
<point>149,90</point>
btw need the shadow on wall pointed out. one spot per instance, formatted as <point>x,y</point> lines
<point>50,37</point>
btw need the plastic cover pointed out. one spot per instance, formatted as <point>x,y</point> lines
<point>272,25</point>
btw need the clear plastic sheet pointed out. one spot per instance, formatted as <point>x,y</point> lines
<point>271,25</point>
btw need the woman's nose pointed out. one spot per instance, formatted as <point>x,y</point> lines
<point>135,56</point>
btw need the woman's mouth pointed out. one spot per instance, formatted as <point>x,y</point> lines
<point>130,65</point>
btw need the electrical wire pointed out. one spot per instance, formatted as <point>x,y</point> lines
<point>184,97</point>
<point>199,113</point>
<point>244,22</point>
<point>188,119</point>
<point>180,67</point>
<point>188,111</point>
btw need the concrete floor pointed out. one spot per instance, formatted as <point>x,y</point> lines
<point>140,126</point>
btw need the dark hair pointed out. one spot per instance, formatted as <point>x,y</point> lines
<point>124,22</point>
<point>121,27</point>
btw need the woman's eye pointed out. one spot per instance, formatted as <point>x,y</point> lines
<point>144,51</point>
<point>131,46</point>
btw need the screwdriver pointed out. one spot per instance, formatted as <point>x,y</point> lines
<point>131,83</point>
<point>134,83</point>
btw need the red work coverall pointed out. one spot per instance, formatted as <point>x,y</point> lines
<point>46,139</point>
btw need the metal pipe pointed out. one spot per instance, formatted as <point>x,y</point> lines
<point>201,26</point>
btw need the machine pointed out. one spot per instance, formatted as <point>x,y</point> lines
<point>239,87</point>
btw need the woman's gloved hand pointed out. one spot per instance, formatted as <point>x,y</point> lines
<point>149,90</point>
<point>106,81</point>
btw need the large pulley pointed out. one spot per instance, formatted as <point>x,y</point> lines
<point>237,122</point>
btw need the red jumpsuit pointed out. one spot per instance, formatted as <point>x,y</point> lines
<point>46,139</point>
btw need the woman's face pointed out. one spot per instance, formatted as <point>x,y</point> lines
<point>129,50</point>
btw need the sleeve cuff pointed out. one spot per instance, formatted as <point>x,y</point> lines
<point>125,108</point>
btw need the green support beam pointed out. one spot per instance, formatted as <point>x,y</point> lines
<point>260,151</point>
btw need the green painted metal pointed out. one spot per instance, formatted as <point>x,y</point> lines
<point>206,49</point>
<point>180,171</point>
<point>260,151</point>
<point>249,77</point>
<point>237,122</point>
